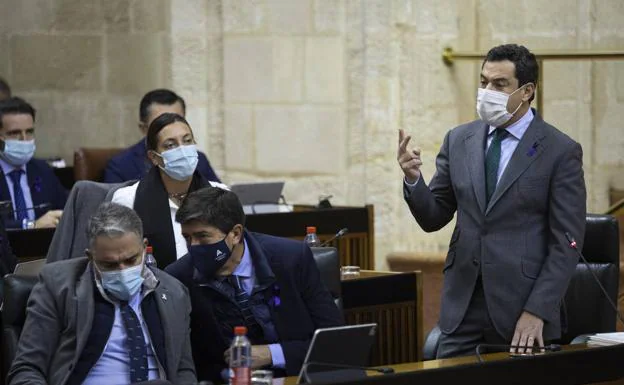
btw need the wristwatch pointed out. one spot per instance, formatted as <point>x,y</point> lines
<point>28,224</point>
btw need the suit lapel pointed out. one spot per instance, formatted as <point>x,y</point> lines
<point>475,148</point>
<point>530,148</point>
<point>84,308</point>
<point>5,195</point>
<point>166,307</point>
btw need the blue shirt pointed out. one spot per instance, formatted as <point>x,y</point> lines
<point>247,278</point>
<point>112,366</point>
<point>6,169</point>
<point>509,144</point>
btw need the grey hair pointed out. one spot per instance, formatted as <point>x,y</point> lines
<point>113,220</point>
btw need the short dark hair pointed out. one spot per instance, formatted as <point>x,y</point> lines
<point>151,140</point>
<point>15,105</point>
<point>525,62</point>
<point>5,88</point>
<point>159,96</point>
<point>212,206</point>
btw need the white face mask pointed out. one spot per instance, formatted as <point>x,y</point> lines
<point>492,106</point>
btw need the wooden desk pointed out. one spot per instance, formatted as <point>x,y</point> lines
<point>576,364</point>
<point>30,244</point>
<point>394,302</point>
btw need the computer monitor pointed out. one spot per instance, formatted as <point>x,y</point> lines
<point>340,346</point>
<point>258,193</point>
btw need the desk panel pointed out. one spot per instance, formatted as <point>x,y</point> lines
<point>394,302</point>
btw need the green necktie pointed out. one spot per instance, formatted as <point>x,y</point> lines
<point>492,160</point>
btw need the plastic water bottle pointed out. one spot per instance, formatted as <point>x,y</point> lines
<point>311,238</point>
<point>240,358</point>
<point>149,257</point>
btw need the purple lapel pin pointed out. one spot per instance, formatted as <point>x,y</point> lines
<point>533,150</point>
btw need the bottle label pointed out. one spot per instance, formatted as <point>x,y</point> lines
<point>240,376</point>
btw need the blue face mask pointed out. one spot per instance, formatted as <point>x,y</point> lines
<point>125,283</point>
<point>208,259</point>
<point>180,162</point>
<point>18,152</point>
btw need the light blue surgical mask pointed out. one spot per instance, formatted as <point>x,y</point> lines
<point>123,284</point>
<point>18,152</point>
<point>180,162</point>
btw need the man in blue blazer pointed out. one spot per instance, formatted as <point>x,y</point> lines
<point>36,195</point>
<point>235,277</point>
<point>132,163</point>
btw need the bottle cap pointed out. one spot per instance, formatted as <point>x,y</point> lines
<point>240,330</point>
<point>311,229</point>
<point>149,250</point>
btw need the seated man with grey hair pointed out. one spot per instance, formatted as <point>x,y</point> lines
<point>106,318</point>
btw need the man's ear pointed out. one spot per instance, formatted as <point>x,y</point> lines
<point>237,234</point>
<point>529,90</point>
<point>89,254</point>
<point>145,243</point>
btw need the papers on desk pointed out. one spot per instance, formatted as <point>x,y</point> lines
<point>606,339</point>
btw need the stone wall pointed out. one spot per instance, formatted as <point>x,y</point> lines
<point>311,91</point>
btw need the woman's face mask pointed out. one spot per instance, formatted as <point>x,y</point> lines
<point>180,162</point>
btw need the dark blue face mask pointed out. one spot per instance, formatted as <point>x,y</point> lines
<point>208,259</point>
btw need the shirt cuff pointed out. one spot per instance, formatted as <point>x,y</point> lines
<point>410,187</point>
<point>277,356</point>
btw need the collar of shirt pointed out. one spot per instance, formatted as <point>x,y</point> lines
<point>518,129</point>
<point>245,267</point>
<point>7,168</point>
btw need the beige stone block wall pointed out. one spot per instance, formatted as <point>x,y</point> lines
<point>312,92</point>
<point>84,65</point>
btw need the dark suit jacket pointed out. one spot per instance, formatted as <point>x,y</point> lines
<point>58,323</point>
<point>44,188</point>
<point>132,164</point>
<point>305,304</point>
<point>517,241</point>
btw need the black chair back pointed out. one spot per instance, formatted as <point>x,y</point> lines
<point>328,263</point>
<point>587,309</point>
<point>16,292</point>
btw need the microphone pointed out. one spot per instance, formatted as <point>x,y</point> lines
<point>304,370</point>
<point>341,233</point>
<point>573,245</point>
<point>504,348</point>
<point>6,207</point>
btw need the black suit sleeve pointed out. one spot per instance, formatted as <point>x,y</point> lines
<point>321,307</point>
<point>567,214</point>
<point>433,207</point>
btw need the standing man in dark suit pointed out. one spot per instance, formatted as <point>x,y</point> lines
<point>235,277</point>
<point>35,192</point>
<point>106,318</point>
<point>132,163</point>
<point>517,185</point>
